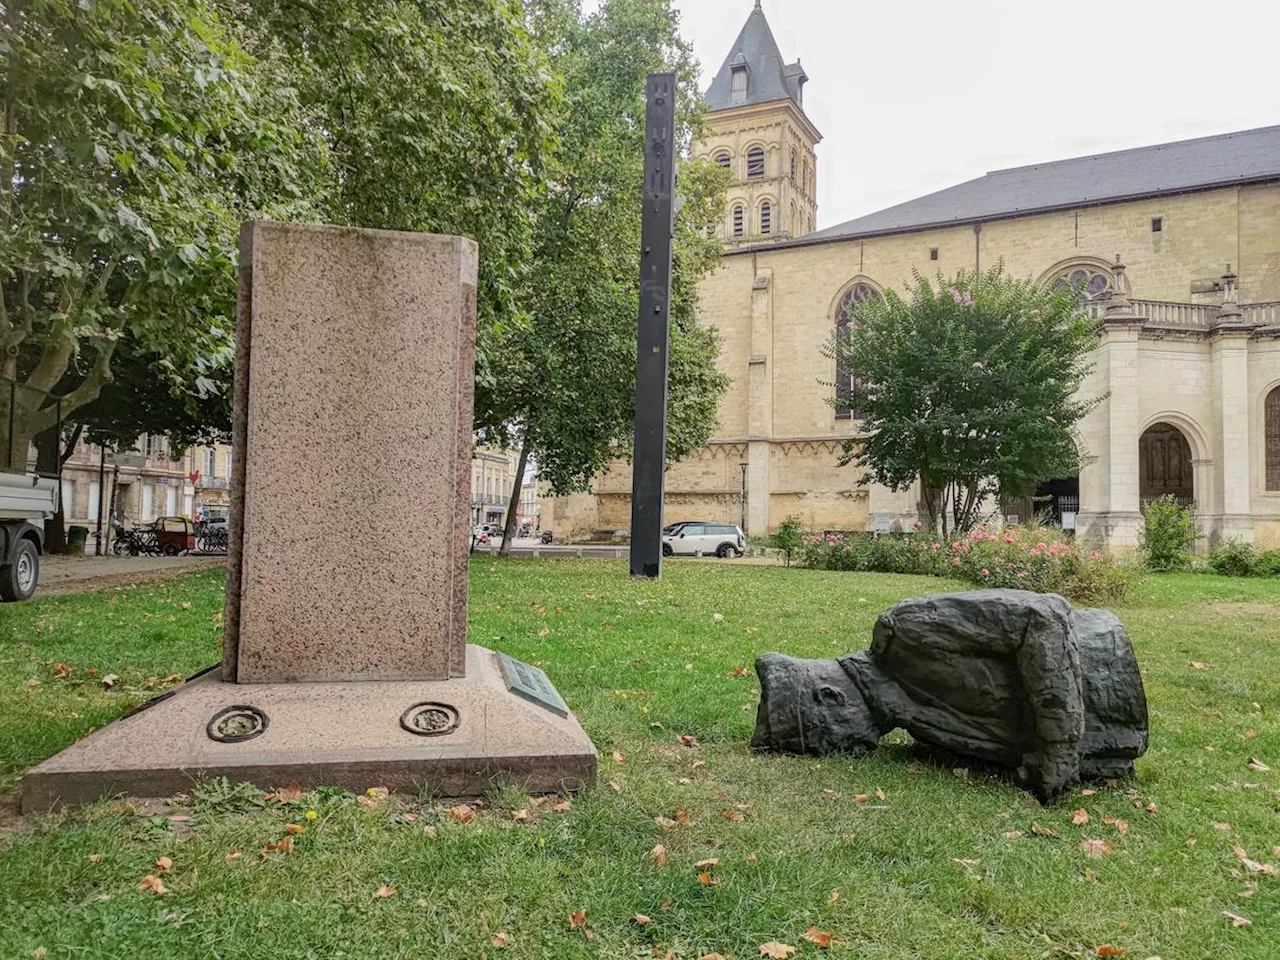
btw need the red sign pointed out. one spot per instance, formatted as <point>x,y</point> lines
<point>195,476</point>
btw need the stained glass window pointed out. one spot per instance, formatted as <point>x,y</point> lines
<point>1092,283</point>
<point>857,294</point>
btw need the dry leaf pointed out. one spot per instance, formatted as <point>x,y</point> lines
<point>683,817</point>
<point>828,792</point>
<point>619,757</point>
<point>297,828</point>
<point>545,631</point>
<point>1040,831</point>
<point>522,816</point>
<point>95,858</point>
<point>861,797</point>
<point>233,854</point>
<point>666,904</point>
<point>154,884</point>
<point>615,786</point>
<point>717,617</point>
<point>1080,817</point>
<point>1013,835</point>
<point>1257,765</point>
<point>710,862</point>
<point>1122,827</point>
<point>385,890</point>
<point>107,682</point>
<point>62,671</point>
<point>1106,950</point>
<point>292,792</point>
<point>688,740</point>
<point>284,846</point>
<point>820,938</point>
<point>776,951</point>
<point>740,671</point>
<point>641,919</point>
<point>1151,807</point>
<point>1250,733</point>
<point>1096,848</point>
<point>712,956</point>
<point>733,816</point>
<point>664,821</point>
<point>564,806</point>
<point>462,813</point>
<point>501,938</point>
<point>1236,920</point>
<point>163,865</point>
<point>751,857</point>
<point>707,880</point>
<point>1088,792</point>
<point>699,763</point>
<point>880,794</point>
<point>658,856</point>
<point>577,919</point>
<point>835,896</point>
<point>1197,665</point>
<point>967,864</point>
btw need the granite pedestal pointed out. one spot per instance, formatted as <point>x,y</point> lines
<point>345,661</point>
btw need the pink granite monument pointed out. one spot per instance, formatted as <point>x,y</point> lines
<point>345,660</point>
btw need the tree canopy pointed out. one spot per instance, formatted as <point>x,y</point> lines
<point>970,386</point>
<point>136,135</point>
<point>568,383</point>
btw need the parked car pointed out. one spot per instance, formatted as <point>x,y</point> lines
<point>26,502</point>
<point>722,539</point>
<point>673,528</point>
<point>486,531</point>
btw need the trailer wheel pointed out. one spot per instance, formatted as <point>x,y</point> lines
<point>18,580</point>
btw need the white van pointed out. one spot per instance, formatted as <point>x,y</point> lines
<point>721,539</point>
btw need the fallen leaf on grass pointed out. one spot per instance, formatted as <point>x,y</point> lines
<point>1122,827</point>
<point>861,797</point>
<point>284,846</point>
<point>658,856</point>
<point>163,865</point>
<point>577,919</point>
<point>462,813</point>
<point>615,786</point>
<point>1040,831</point>
<point>733,816</point>
<point>1107,950</point>
<point>544,632</point>
<point>707,880</point>
<point>1013,835</point>
<point>62,671</point>
<point>1257,765</point>
<point>1236,919</point>
<point>967,864</point>
<point>717,617</point>
<point>294,828</point>
<point>154,884</point>
<point>1253,866</point>
<point>293,791</point>
<point>95,858</point>
<point>1080,817</point>
<point>775,950</point>
<point>1197,665</point>
<point>1088,792</point>
<point>109,681</point>
<point>740,671</point>
<point>641,919</point>
<point>522,816</point>
<point>699,763</point>
<point>822,939</point>
<point>683,817</point>
<point>1151,807</point>
<point>233,855</point>
<point>501,938</point>
<point>1250,733</point>
<point>385,890</point>
<point>564,806</point>
<point>712,956</point>
<point>880,794</point>
<point>688,740</point>
<point>619,757</point>
<point>710,862</point>
<point>664,821</point>
<point>1096,848</point>
<point>835,895</point>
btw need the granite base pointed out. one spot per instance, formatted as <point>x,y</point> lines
<point>349,734</point>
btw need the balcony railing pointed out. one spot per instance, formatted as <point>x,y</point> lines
<point>1174,315</point>
<point>213,483</point>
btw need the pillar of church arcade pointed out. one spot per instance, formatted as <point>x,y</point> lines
<point>760,404</point>
<point>1229,355</point>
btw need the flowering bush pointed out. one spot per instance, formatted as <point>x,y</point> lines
<point>1026,558</point>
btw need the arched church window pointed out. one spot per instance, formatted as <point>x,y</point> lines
<point>1271,439</point>
<point>855,296</point>
<point>766,217</point>
<point>793,166</point>
<point>755,163</point>
<point>1091,283</point>
<point>793,222</point>
<point>738,216</point>
<point>723,159</point>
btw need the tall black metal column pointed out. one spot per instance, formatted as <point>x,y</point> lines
<point>654,328</point>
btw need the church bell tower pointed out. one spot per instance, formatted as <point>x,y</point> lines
<point>757,129</point>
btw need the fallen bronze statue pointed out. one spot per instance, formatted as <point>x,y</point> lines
<point>1004,676</point>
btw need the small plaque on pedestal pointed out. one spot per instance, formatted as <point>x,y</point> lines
<point>527,681</point>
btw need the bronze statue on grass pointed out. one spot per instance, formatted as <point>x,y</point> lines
<point>1005,676</point>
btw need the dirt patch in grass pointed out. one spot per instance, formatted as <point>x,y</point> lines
<point>1245,608</point>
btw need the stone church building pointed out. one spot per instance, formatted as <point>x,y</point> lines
<point>1176,248</point>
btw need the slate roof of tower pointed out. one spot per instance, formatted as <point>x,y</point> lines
<point>1223,160</point>
<point>769,78</point>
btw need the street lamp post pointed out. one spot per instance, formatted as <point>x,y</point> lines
<point>742,497</point>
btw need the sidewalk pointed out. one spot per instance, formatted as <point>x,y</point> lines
<point>77,574</point>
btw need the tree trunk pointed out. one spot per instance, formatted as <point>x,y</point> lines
<point>48,460</point>
<point>517,486</point>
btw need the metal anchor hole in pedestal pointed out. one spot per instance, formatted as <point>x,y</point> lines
<point>237,723</point>
<point>430,719</point>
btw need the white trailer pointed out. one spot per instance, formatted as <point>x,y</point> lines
<point>26,502</point>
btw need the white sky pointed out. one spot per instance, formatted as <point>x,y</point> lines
<point>916,95</point>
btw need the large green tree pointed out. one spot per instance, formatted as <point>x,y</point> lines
<point>567,391</point>
<point>440,117</point>
<point>136,135</point>
<point>971,386</point>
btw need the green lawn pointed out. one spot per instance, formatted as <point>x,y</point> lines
<point>643,663</point>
